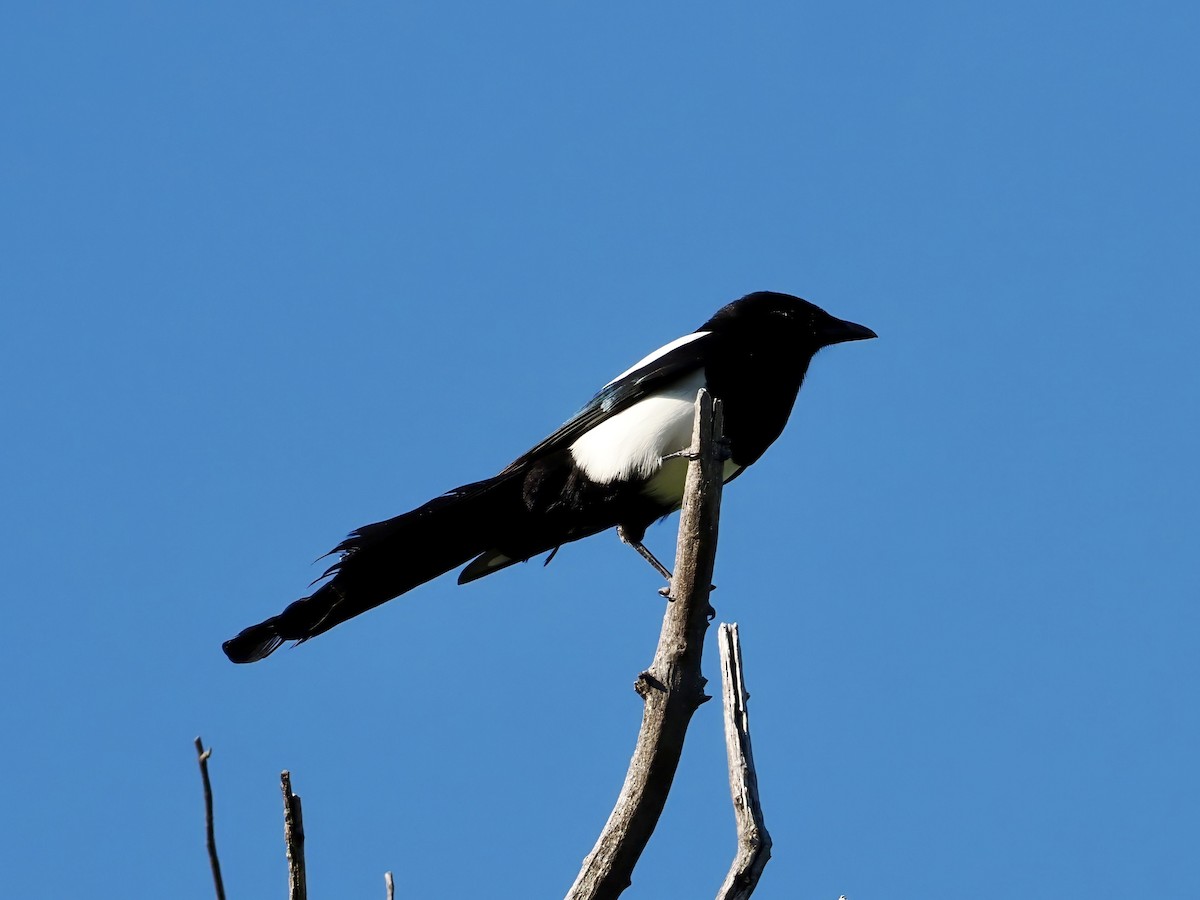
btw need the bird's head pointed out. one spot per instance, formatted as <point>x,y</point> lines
<point>768,313</point>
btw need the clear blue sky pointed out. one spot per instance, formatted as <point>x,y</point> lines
<point>273,271</point>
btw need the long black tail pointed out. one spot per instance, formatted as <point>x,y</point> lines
<point>381,561</point>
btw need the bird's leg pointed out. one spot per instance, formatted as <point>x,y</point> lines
<point>721,450</point>
<point>651,558</point>
<point>662,570</point>
<point>645,553</point>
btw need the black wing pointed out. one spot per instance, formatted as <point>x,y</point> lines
<point>658,373</point>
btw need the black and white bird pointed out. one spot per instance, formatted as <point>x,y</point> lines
<point>617,463</point>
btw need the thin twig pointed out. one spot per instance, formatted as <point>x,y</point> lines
<point>391,888</point>
<point>293,838</point>
<point>673,686</point>
<point>754,843</point>
<point>210,831</point>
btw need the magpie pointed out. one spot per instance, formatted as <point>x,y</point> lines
<point>619,462</point>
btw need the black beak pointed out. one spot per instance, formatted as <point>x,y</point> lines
<point>838,331</point>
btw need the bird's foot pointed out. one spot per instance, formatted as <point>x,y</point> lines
<point>722,450</point>
<point>680,454</point>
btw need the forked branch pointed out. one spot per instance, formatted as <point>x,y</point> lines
<point>673,686</point>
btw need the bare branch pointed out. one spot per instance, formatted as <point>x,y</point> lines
<point>293,838</point>
<point>210,831</point>
<point>754,843</point>
<point>391,887</point>
<point>673,686</point>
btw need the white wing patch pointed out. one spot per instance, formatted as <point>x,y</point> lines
<point>661,351</point>
<point>632,443</point>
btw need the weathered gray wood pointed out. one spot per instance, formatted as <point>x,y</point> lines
<point>754,843</point>
<point>209,828</point>
<point>390,885</point>
<point>293,838</point>
<point>673,686</point>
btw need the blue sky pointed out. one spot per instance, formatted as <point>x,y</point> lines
<point>273,271</point>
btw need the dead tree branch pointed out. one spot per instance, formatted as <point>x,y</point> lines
<point>673,686</point>
<point>390,885</point>
<point>754,843</point>
<point>209,829</point>
<point>293,838</point>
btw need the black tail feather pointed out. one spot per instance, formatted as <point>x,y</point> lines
<point>254,643</point>
<point>385,559</point>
